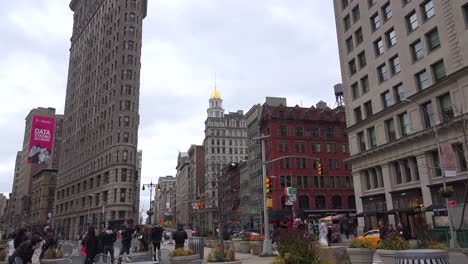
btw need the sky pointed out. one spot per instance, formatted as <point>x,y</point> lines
<point>284,48</point>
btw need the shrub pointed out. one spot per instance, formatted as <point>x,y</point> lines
<point>3,254</point>
<point>180,252</point>
<point>431,245</point>
<point>53,253</point>
<point>295,248</point>
<point>215,255</point>
<point>360,243</point>
<point>258,238</point>
<point>394,242</point>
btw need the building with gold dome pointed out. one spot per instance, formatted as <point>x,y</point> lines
<point>225,141</point>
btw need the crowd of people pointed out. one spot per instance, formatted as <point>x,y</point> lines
<point>386,230</point>
<point>25,243</point>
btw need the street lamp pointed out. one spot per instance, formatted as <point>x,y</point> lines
<point>151,185</point>
<point>453,235</point>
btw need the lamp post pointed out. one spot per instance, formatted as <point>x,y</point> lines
<point>151,185</point>
<point>453,235</point>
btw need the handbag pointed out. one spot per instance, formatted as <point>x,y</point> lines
<point>84,251</point>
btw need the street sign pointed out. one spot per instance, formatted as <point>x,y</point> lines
<point>452,203</point>
<point>288,202</point>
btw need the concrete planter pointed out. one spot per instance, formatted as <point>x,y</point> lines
<point>228,244</point>
<point>360,255</point>
<point>210,243</point>
<point>244,247</point>
<point>257,247</point>
<point>50,261</point>
<point>387,256</point>
<point>183,259</point>
<point>236,244</point>
<point>228,262</point>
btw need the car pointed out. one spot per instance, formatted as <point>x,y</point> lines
<point>249,234</point>
<point>373,236</point>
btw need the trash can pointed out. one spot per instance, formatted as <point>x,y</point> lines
<point>197,245</point>
<point>421,256</point>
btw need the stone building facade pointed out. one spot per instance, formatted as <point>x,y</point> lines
<point>98,169</point>
<point>404,72</point>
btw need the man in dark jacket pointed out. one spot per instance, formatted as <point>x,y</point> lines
<point>382,231</point>
<point>126,241</point>
<point>179,237</point>
<point>108,240</point>
<point>23,254</point>
<point>156,237</point>
<point>49,241</point>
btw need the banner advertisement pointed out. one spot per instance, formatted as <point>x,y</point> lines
<point>449,161</point>
<point>41,139</point>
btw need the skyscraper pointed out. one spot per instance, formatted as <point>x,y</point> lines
<point>98,168</point>
<point>404,67</point>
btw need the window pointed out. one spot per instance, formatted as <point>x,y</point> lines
<point>399,91</point>
<point>379,47</point>
<point>461,161</point>
<point>352,67</point>
<point>404,124</point>
<point>299,131</point>
<point>282,131</point>
<point>358,114</point>
<point>375,22</point>
<point>433,40</point>
<point>387,99</point>
<point>359,37</point>
<point>446,108</point>
<point>344,148</point>
<point>304,202</point>
<point>365,84</point>
<point>132,17</point>
<point>438,69</point>
<point>129,74</point>
<point>390,127</point>
<point>417,50</point>
<point>412,21</point>
<point>465,14</point>
<point>368,109</point>
<point>349,44</point>
<point>404,2</point>
<point>372,137</point>
<point>362,59</point>
<point>371,3</point>
<point>356,14</point>
<point>391,37</point>
<point>427,9</point>
<point>355,90</point>
<point>428,113</point>
<point>422,80</point>
<point>368,180</point>
<point>436,163</point>
<point>361,141</point>
<point>395,64</point>
<point>347,22</point>
<point>382,71</point>
<point>387,11</point>
<point>344,4</point>
<point>320,202</point>
<point>336,202</point>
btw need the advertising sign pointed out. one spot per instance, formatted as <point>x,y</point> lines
<point>41,139</point>
<point>448,160</point>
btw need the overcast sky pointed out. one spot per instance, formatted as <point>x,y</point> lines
<point>257,48</point>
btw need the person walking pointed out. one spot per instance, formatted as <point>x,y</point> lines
<point>20,237</point>
<point>323,233</point>
<point>179,237</point>
<point>126,241</point>
<point>49,241</point>
<point>90,241</point>
<point>23,254</point>
<point>108,239</point>
<point>382,230</point>
<point>156,237</point>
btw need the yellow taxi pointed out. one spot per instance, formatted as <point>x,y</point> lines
<point>373,236</point>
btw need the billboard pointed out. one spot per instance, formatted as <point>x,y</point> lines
<point>41,139</point>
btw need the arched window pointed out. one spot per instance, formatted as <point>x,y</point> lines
<point>304,202</point>
<point>282,131</point>
<point>336,202</point>
<point>351,202</point>
<point>299,131</point>
<point>320,202</point>
<point>283,202</point>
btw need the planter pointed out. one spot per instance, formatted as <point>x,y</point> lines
<point>211,243</point>
<point>360,255</point>
<point>257,247</point>
<point>184,259</point>
<point>236,244</point>
<point>244,247</point>
<point>387,256</point>
<point>51,261</point>
<point>228,244</point>
<point>228,262</point>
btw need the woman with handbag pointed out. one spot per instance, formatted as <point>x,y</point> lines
<point>90,245</point>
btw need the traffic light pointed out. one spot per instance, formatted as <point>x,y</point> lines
<point>268,189</point>
<point>158,188</point>
<point>319,168</point>
<point>200,205</point>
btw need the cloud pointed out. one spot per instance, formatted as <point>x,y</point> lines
<point>256,49</point>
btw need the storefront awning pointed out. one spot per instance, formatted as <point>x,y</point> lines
<point>436,207</point>
<point>400,210</point>
<point>367,213</point>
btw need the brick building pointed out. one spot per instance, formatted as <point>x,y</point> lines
<point>305,136</point>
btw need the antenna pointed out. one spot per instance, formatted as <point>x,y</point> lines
<point>215,81</point>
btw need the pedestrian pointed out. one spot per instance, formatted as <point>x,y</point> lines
<point>126,235</point>
<point>108,240</point>
<point>90,241</point>
<point>329,235</point>
<point>20,237</point>
<point>179,237</point>
<point>100,241</point>
<point>382,231</point>
<point>156,237</point>
<point>323,233</point>
<point>390,230</point>
<point>49,241</point>
<point>23,254</point>
<point>347,231</point>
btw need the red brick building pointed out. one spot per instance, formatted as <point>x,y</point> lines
<point>306,136</point>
